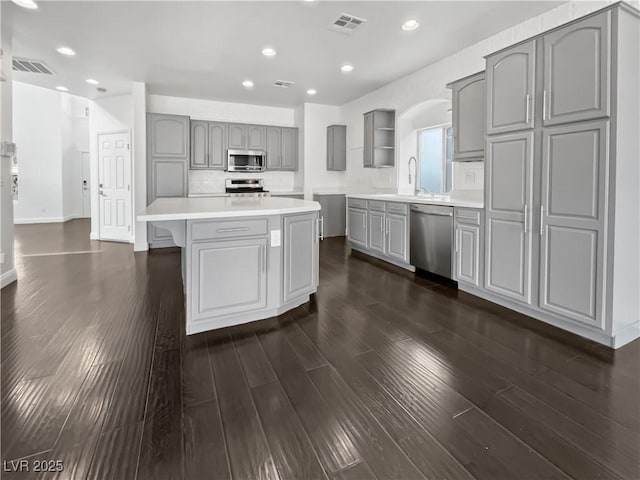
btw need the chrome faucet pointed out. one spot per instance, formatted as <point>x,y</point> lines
<point>415,164</point>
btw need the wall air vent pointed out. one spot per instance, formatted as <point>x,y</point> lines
<point>282,83</point>
<point>346,23</point>
<point>31,66</point>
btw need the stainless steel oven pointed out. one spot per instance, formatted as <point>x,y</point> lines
<point>246,160</point>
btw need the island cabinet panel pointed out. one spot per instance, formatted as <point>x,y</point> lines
<point>228,277</point>
<point>300,255</point>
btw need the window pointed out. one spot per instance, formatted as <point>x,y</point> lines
<point>435,148</point>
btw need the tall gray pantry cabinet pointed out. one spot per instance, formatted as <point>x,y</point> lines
<point>562,166</point>
<point>167,165</point>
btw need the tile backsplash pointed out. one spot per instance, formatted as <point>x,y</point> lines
<point>212,181</point>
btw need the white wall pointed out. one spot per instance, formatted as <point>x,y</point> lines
<point>430,83</point>
<point>50,130</point>
<point>207,181</point>
<point>106,115</point>
<point>7,263</point>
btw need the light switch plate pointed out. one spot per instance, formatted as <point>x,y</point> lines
<point>276,238</point>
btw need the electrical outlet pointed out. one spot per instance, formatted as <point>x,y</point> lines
<point>276,238</point>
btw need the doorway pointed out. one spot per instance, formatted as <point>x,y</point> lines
<point>114,186</point>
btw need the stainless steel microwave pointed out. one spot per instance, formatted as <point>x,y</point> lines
<point>246,160</point>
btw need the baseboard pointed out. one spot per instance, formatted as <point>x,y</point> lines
<point>29,221</point>
<point>8,277</point>
<point>627,335</point>
<point>93,236</point>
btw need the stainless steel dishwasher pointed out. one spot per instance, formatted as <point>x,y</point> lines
<point>431,243</point>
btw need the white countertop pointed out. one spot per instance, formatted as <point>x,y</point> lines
<point>278,193</point>
<point>445,200</point>
<point>164,209</point>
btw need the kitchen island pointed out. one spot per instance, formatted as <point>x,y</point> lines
<point>243,258</point>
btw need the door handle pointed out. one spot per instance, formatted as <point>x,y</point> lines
<point>100,192</point>
<point>527,108</point>
<point>526,218</point>
<point>541,219</point>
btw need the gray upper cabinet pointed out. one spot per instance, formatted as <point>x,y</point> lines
<point>379,138</point>
<point>274,148</point>
<point>576,71</point>
<point>208,145</point>
<point>237,136</point>
<point>256,137</point>
<point>336,147</point>
<point>167,165</point>
<point>169,135</point>
<point>300,250</point>
<point>289,148</point>
<point>199,144</point>
<point>468,96</point>
<point>508,201</point>
<point>574,163</point>
<point>282,148</point>
<point>217,145</point>
<point>511,77</point>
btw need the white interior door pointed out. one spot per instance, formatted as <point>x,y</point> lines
<point>114,186</point>
<point>85,184</point>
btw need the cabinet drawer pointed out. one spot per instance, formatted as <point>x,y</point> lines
<point>357,203</point>
<point>376,205</point>
<point>397,208</point>
<point>228,228</point>
<point>468,216</point>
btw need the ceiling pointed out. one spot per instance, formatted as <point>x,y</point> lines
<point>206,49</point>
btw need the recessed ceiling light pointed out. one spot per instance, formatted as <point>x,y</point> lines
<point>311,91</point>
<point>62,89</point>
<point>268,52</point>
<point>410,24</point>
<point>66,51</point>
<point>92,81</point>
<point>247,84</point>
<point>347,67</point>
<point>30,4</point>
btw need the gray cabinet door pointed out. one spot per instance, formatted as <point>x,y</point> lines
<point>368,140</point>
<point>215,292</point>
<point>508,200</point>
<point>337,148</point>
<point>217,145</point>
<point>511,89</point>
<point>469,117</point>
<point>300,247</point>
<point>289,149</point>
<point>376,232</point>
<point>169,135</point>
<point>576,71</point>
<point>397,237</point>
<point>467,254</point>
<point>256,137</point>
<point>357,223</point>
<point>167,177</point>
<point>573,197</point>
<point>237,136</point>
<point>274,148</point>
<point>199,157</point>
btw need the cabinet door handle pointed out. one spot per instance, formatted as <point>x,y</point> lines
<point>231,230</point>
<point>364,225</point>
<point>527,108</point>
<point>544,105</point>
<point>321,220</point>
<point>263,254</point>
<point>541,219</point>
<point>526,218</point>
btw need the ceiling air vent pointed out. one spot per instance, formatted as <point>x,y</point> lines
<point>282,83</point>
<point>31,66</point>
<point>346,23</point>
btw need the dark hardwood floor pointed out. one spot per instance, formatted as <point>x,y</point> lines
<point>383,375</point>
